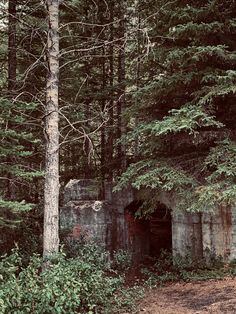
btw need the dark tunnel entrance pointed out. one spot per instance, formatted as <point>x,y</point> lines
<point>160,231</point>
<point>149,236</point>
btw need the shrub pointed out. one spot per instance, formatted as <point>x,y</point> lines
<point>121,261</point>
<point>84,284</point>
<point>168,268</point>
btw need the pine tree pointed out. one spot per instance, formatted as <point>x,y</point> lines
<point>187,106</point>
<point>18,143</point>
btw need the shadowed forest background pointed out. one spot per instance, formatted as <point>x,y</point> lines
<point>146,98</point>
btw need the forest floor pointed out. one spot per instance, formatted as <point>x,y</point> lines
<point>218,297</point>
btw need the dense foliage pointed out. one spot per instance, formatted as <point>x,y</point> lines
<point>84,284</point>
<point>17,168</point>
<point>170,269</point>
<point>147,98</point>
<point>21,170</point>
<point>186,108</point>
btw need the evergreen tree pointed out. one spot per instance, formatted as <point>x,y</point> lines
<point>18,144</point>
<point>186,107</point>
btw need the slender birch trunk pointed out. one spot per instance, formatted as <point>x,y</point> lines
<point>51,188</point>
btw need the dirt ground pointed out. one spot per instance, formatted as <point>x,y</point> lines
<point>187,298</point>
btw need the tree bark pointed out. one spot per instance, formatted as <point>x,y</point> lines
<point>11,46</point>
<point>51,188</point>
<point>11,80</point>
<point>121,92</point>
<point>103,129</point>
<point>136,148</point>
<point>110,147</point>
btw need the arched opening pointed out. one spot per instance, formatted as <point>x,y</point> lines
<point>148,236</point>
<point>138,240</point>
<point>160,227</point>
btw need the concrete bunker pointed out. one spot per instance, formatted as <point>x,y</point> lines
<point>109,219</point>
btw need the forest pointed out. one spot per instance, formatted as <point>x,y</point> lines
<point>139,93</point>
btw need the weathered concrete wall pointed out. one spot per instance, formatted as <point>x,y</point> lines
<point>88,219</point>
<point>84,189</point>
<point>202,234</point>
<point>84,214</point>
<point>109,222</point>
<point>233,234</point>
<point>205,234</point>
<point>219,233</point>
<point>186,234</point>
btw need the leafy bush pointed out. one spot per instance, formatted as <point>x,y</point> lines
<point>168,268</point>
<point>85,284</point>
<point>121,261</point>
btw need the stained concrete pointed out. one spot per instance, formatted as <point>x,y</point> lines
<point>85,214</point>
<point>106,218</point>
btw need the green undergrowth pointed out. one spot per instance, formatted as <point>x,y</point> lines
<point>88,284</point>
<point>91,282</point>
<point>171,269</point>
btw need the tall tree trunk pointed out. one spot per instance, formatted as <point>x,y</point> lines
<point>12,63</point>
<point>11,46</point>
<point>121,91</point>
<point>103,128</point>
<point>102,20</point>
<point>88,163</point>
<point>51,188</point>
<point>110,145</point>
<point>136,148</point>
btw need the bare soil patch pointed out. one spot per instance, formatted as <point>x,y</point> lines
<point>187,298</point>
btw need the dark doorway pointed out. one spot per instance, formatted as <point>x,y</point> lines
<point>160,231</point>
<point>137,232</point>
<point>149,236</point>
